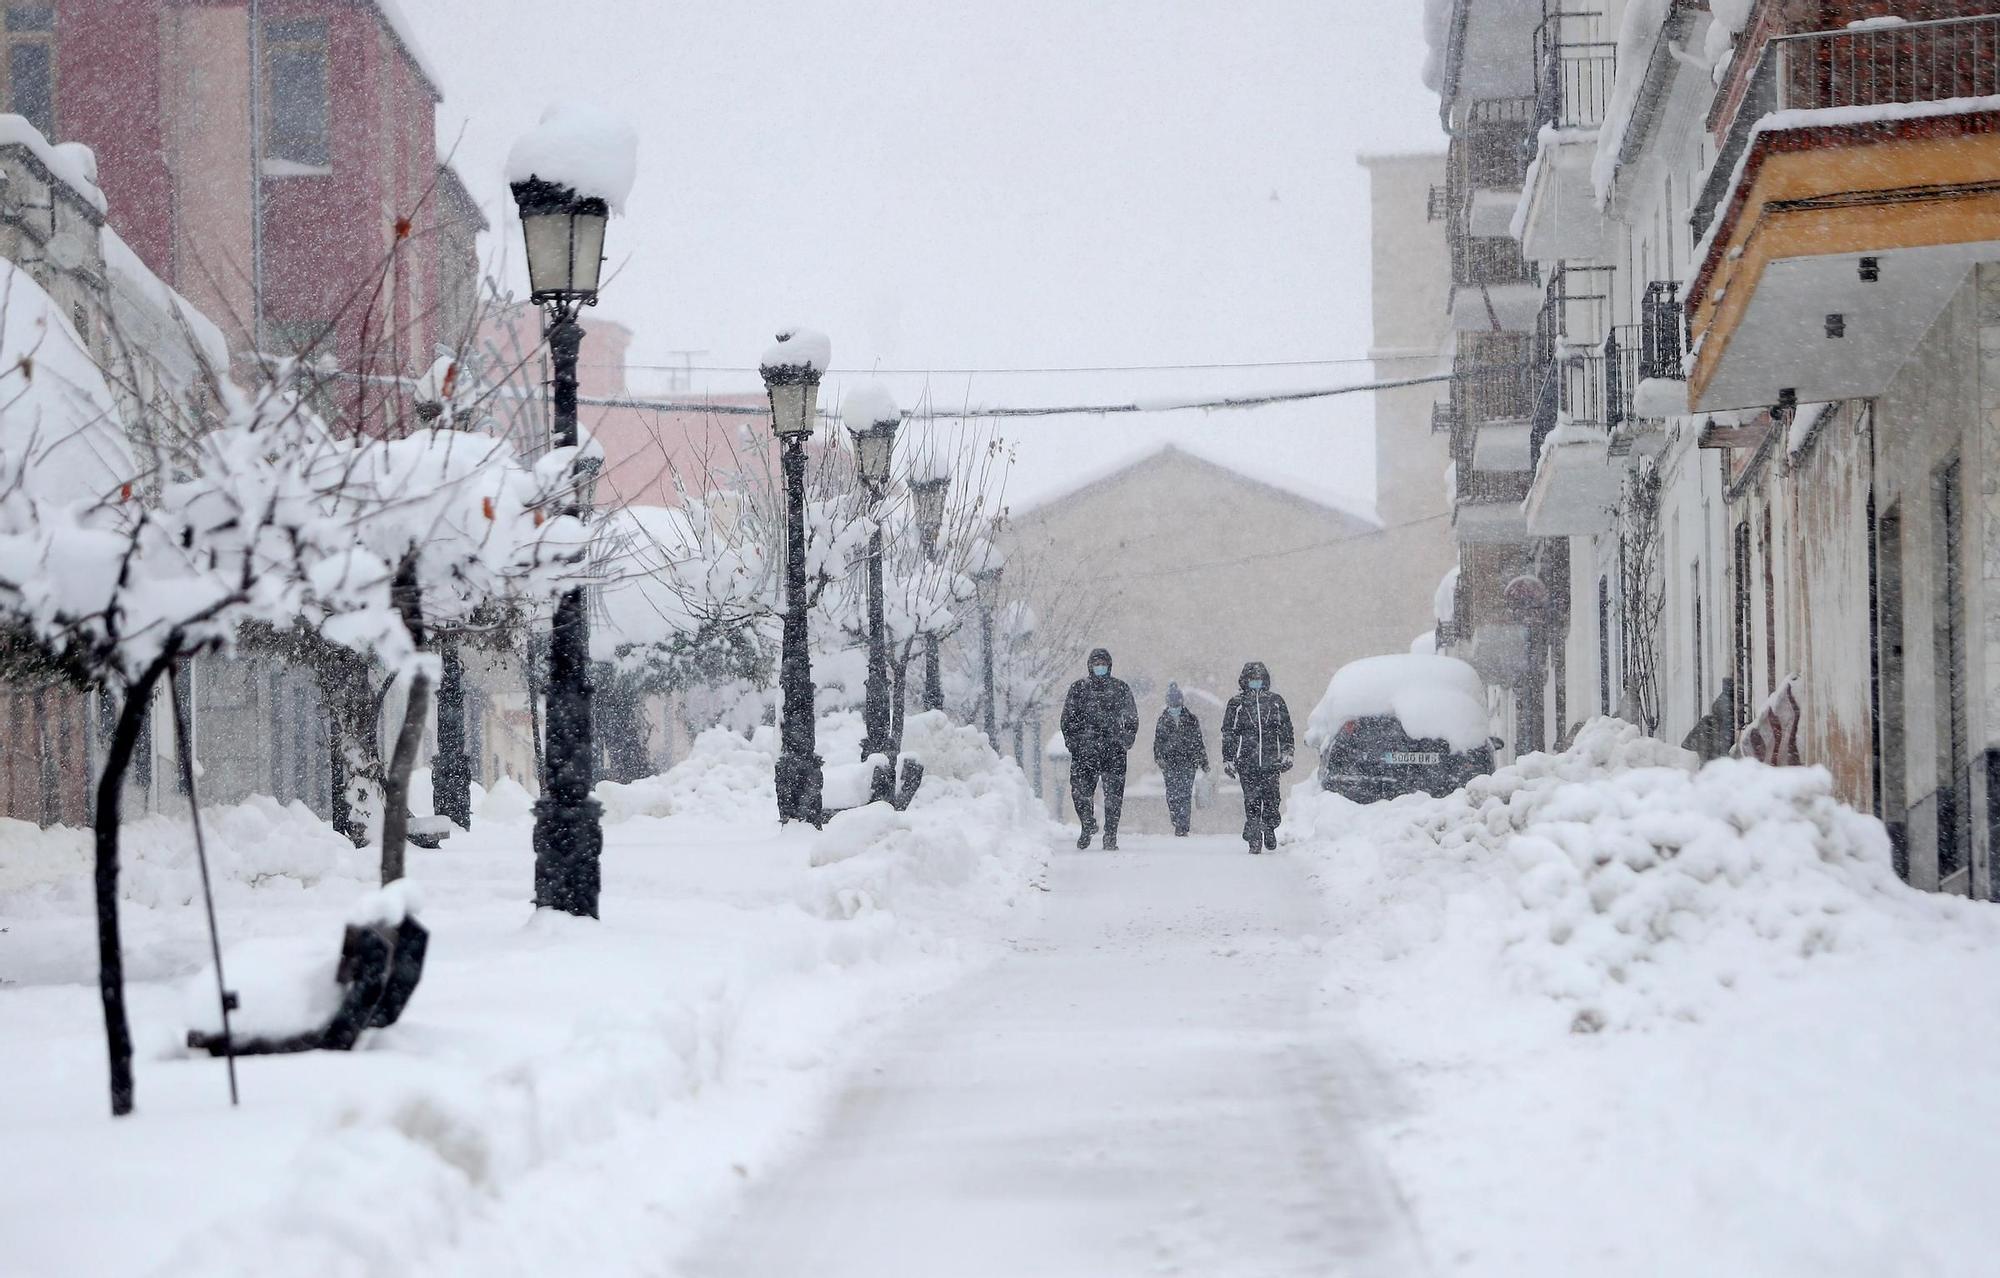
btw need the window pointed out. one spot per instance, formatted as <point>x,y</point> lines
<point>30,64</point>
<point>296,111</point>
<point>1700,676</point>
<point>297,338</point>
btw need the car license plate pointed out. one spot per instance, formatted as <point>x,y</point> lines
<point>1422,758</point>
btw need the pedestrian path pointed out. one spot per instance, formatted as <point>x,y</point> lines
<point>1147,1085</point>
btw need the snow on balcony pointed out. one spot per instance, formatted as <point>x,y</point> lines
<point>1576,486</point>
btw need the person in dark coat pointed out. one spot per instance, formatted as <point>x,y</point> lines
<point>1178,749</point>
<point>1100,721</point>
<point>1257,746</point>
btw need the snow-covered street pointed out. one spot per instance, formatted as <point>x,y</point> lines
<point>1148,1083</point>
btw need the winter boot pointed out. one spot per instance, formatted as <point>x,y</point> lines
<point>1255,846</point>
<point>1270,839</point>
<point>1083,839</point>
<point>1110,843</point>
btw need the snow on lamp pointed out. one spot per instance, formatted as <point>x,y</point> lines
<point>872,417</point>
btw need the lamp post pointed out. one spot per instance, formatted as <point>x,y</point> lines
<point>791,369</point>
<point>871,417</point>
<point>987,561</point>
<point>927,493</point>
<point>563,232</point>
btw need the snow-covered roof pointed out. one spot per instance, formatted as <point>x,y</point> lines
<point>72,162</point>
<point>60,411</point>
<point>406,38</point>
<point>1030,488</point>
<point>130,273</point>
<point>1431,696</point>
<point>579,145</point>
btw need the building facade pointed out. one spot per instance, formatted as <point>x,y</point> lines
<point>1726,286</point>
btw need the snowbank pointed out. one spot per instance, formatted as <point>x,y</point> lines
<point>1698,998</point>
<point>638,1071</point>
<point>1432,696</point>
<point>1622,885</point>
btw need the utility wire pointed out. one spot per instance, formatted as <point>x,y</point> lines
<point>1066,368</point>
<point>1053,410</point>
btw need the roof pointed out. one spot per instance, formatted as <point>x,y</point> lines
<point>405,37</point>
<point>1290,486</point>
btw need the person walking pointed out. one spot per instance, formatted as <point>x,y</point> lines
<point>1257,745</point>
<point>1100,721</point>
<point>1180,752</point>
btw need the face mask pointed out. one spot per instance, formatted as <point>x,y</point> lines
<point>1175,711</point>
<point>1256,685</point>
<point>1100,670</point>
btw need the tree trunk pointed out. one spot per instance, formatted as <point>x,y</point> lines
<point>899,698</point>
<point>110,954</point>
<point>396,786</point>
<point>451,770</point>
<point>407,596</point>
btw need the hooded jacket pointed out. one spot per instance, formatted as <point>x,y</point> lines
<point>1257,726</point>
<point>1177,743</point>
<point>1100,720</point>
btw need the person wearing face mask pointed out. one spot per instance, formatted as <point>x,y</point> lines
<point>1100,721</point>
<point>1257,748</point>
<point>1178,749</point>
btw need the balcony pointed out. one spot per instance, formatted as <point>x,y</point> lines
<point>1488,509</point>
<point>1492,398</point>
<point>1576,487</point>
<point>1657,372</point>
<point>1857,182</point>
<point>1557,217</point>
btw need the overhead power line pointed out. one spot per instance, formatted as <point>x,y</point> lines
<point>1050,410</point>
<point>1064,368</point>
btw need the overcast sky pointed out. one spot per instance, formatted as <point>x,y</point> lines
<point>949,185</point>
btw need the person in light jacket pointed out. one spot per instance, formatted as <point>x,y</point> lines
<point>1257,746</point>
<point>1180,752</point>
<point>1100,721</point>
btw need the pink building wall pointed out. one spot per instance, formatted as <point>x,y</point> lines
<point>160,90</point>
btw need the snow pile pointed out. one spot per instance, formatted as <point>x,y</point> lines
<point>973,838</point>
<point>1431,696</point>
<point>284,985</point>
<point>725,778</point>
<point>581,146</point>
<point>1620,883</point>
<point>506,803</point>
<point>257,844</point>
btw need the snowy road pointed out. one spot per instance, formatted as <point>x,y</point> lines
<point>1147,1085</point>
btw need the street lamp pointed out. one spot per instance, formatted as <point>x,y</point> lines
<point>563,233</point>
<point>930,480</point>
<point>871,417</point>
<point>986,564</point>
<point>791,369</point>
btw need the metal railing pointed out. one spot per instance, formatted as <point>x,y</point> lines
<point>1572,77</point>
<point>1488,260</point>
<point>1908,62</point>
<point>1662,324</point>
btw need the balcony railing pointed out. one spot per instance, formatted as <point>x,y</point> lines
<point>1909,62</point>
<point>1488,260</point>
<point>1576,310</point>
<point>1661,324</point>
<point>1493,147</point>
<point>1572,77</point>
<point>1586,386</point>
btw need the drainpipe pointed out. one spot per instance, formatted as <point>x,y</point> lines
<point>256,176</point>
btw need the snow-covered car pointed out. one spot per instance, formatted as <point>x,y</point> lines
<point>1401,724</point>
